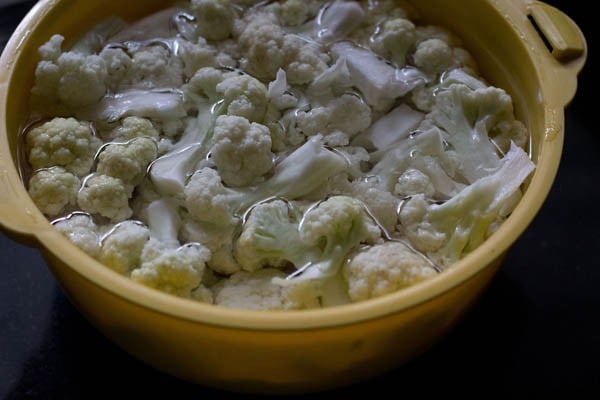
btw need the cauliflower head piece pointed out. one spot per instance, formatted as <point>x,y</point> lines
<point>53,189</point>
<point>384,268</point>
<point>64,142</point>
<point>241,150</point>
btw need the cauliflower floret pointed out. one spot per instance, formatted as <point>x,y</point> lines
<point>202,294</point>
<point>155,66</point>
<point>241,150</point>
<point>121,247</point>
<point>338,121</point>
<point>214,17</point>
<point>82,80</point>
<point>81,230</point>
<point>411,182</point>
<point>63,142</point>
<point>383,269</point>
<point>439,50</point>
<point>119,67</point>
<point>133,127</point>
<point>107,196</point>
<point>127,161</point>
<point>256,291</point>
<point>146,67</point>
<point>53,189</point>
<point>196,55</point>
<point>270,237</point>
<point>52,49</point>
<point>206,198</point>
<point>446,231</point>
<point>244,96</point>
<point>204,83</point>
<point>382,204</point>
<point>218,239</point>
<point>267,48</point>
<point>395,40</point>
<point>74,79</point>
<point>339,220</point>
<point>294,12</point>
<point>433,56</point>
<point>174,270</point>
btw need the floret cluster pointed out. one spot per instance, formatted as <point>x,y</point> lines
<point>272,155</point>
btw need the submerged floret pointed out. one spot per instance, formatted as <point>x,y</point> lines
<point>338,121</point>
<point>106,196</point>
<point>241,150</point>
<point>256,291</point>
<point>127,161</point>
<point>64,142</point>
<point>121,247</point>
<point>395,40</point>
<point>384,268</point>
<point>214,17</point>
<point>53,189</point>
<point>82,231</point>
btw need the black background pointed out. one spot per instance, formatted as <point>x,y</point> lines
<point>533,334</point>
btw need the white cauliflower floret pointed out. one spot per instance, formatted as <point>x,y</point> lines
<point>155,66</point>
<point>53,189</point>
<point>205,198</point>
<point>107,196</point>
<point>119,67</point>
<point>244,96</point>
<point>204,83</point>
<point>338,121</point>
<point>202,294</point>
<point>63,142</point>
<point>439,50</point>
<point>214,17</point>
<point>382,204</point>
<point>196,55</point>
<point>339,220</point>
<point>446,231</point>
<point>74,79</point>
<point>267,48</point>
<point>127,161</point>
<point>121,247</point>
<point>270,237</point>
<point>217,238</point>
<point>256,291</point>
<point>411,182</point>
<point>395,40</point>
<point>52,49</point>
<point>174,270</point>
<point>82,79</point>
<point>145,67</point>
<point>134,127</point>
<point>433,56</point>
<point>81,230</point>
<point>384,268</point>
<point>294,12</point>
<point>241,150</point>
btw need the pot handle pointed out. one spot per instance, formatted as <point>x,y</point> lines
<point>19,218</point>
<point>564,40</point>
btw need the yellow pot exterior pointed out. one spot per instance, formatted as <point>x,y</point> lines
<point>283,352</point>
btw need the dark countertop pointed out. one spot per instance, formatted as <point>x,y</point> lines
<point>534,332</point>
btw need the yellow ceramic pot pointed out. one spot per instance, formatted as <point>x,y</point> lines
<point>299,351</point>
